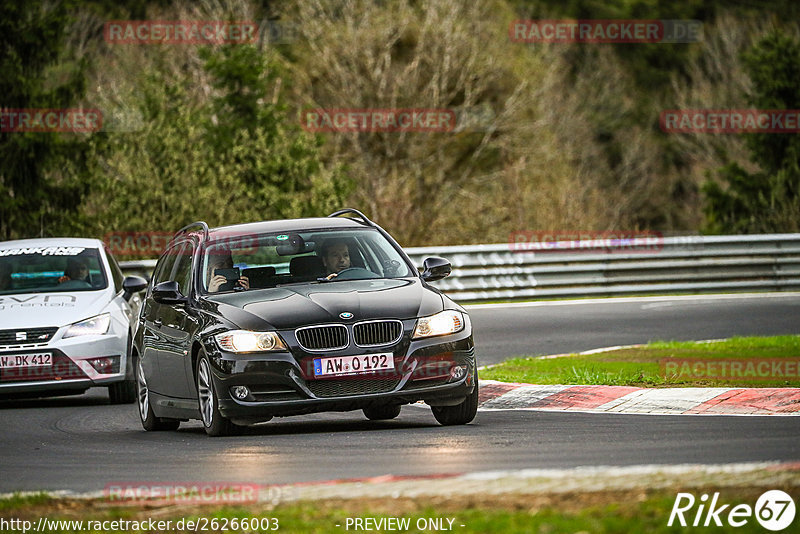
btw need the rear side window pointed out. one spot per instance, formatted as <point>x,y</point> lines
<point>183,268</point>
<point>164,266</point>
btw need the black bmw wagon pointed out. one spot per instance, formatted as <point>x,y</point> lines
<point>247,322</point>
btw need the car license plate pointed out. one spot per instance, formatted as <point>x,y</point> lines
<point>349,365</point>
<point>14,361</point>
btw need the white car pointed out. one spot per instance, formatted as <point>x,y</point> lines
<point>67,316</point>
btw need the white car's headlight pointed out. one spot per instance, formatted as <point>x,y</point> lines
<point>96,326</point>
<point>441,324</point>
<point>246,341</point>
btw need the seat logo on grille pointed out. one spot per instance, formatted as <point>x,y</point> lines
<point>346,315</point>
<point>22,336</point>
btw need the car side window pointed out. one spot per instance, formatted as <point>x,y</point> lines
<point>183,268</point>
<point>116,272</point>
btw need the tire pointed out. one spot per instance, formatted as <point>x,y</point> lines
<point>382,413</point>
<point>213,421</point>
<point>149,420</point>
<point>122,392</point>
<point>460,414</point>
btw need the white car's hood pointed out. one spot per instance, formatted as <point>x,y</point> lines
<point>51,309</point>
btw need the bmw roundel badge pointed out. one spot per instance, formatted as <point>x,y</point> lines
<point>346,315</point>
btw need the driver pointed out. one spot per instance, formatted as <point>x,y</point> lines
<point>335,256</point>
<point>76,270</point>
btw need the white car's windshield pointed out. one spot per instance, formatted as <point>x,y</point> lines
<point>268,260</point>
<point>49,269</point>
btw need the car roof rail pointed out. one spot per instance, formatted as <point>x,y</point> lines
<point>364,218</point>
<point>194,227</point>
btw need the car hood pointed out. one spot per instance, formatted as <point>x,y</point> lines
<point>50,309</point>
<point>306,304</point>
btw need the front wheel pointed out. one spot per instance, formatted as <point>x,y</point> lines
<point>149,420</point>
<point>382,413</point>
<point>213,421</point>
<point>460,414</point>
<point>123,392</point>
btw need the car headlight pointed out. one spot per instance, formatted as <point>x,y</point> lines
<point>246,341</point>
<point>96,325</point>
<point>441,324</point>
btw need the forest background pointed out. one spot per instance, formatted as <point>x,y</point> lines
<point>549,137</point>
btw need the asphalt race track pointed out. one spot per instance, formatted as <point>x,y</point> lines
<point>83,444</point>
<point>559,327</point>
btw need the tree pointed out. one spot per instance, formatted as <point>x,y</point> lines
<point>277,166</point>
<point>767,200</point>
<point>34,193</point>
<point>213,144</point>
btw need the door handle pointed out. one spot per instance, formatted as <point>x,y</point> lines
<point>157,322</point>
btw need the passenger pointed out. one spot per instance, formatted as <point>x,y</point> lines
<point>217,281</point>
<point>335,257</point>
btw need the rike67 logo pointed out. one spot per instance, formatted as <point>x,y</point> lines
<point>774,510</point>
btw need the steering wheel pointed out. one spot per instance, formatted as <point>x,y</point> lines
<point>75,284</point>
<point>354,273</point>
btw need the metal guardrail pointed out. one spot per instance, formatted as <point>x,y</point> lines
<point>690,264</point>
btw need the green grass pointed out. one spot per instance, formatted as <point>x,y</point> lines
<point>19,500</point>
<point>598,512</point>
<point>645,366</point>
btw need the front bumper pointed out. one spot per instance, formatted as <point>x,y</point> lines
<point>70,369</point>
<point>438,371</point>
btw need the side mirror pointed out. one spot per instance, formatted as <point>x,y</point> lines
<point>131,285</point>
<point>168,293</point>
<point>435,269</point>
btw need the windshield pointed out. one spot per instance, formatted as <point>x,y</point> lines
<point>319,256</point>
<point>50,269</point>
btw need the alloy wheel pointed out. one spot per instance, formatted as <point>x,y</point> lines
<point>206,393</point>
<point>141,390</point>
